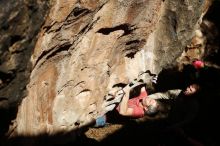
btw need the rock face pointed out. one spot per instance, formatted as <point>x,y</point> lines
<point>20,22</point>
<point>86,47</point>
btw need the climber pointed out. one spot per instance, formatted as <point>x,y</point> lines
<point>145,104</point>
<point>148,105</point>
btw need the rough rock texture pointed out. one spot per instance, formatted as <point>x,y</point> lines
<point>20,22</point>
<point>86,47</point>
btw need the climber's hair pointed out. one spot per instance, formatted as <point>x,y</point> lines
<point>152,110</point>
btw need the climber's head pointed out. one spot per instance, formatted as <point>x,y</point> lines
<point>151,106</point>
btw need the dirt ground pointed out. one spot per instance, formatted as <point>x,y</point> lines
<point>100,134</point>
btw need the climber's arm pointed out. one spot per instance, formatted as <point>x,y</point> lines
<point>123,106</point>
<point>170,94</point>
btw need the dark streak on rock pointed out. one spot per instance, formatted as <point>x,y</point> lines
<point>127,28</point>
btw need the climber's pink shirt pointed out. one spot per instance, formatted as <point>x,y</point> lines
<point>134,103</point>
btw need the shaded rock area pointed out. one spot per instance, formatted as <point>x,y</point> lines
<point>86,47</point>
<point>20,23</point>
